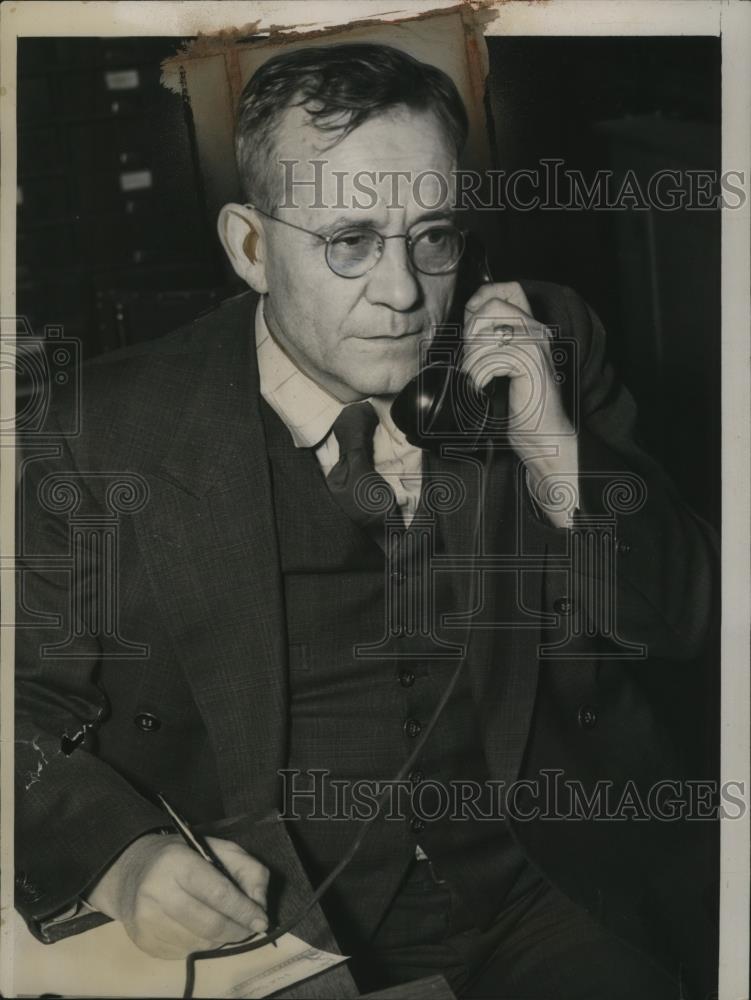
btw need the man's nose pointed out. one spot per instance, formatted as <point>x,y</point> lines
<point>393,281</point>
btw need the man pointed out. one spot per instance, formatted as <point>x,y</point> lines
<point>263,584</point>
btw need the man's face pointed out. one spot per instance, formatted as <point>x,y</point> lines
<point>361,336</point>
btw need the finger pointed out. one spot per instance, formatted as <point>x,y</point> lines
<point>503,331</point>
<point>251,875</point>
<point>506,291</point>
<point>206,884</point>
<point>511,352</point>
<point>492,307</point>
<point>203,921</point>
<point>484,369</point>
<point>483,362</point>
<point>498,323</point>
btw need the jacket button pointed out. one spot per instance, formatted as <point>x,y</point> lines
<point>623,548</point>
<point>587,717</point>
<point>412,728</point>
<point>563,606</point>
<point>417,825</point>
<point>406,678</point>
<point>147,722</point>
<point>416,777</point>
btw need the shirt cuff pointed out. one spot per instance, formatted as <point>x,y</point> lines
<point>74,919</point>
<point>565,518</point>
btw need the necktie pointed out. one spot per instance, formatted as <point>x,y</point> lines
<point>360,491</point>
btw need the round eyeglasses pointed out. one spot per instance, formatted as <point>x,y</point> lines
<point>354,250</point>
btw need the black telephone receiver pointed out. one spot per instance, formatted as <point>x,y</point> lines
<point>441,404</point>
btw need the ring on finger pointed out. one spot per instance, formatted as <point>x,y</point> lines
<point>505,330</point>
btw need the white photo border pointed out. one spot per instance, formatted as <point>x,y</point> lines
<point>731,20</point>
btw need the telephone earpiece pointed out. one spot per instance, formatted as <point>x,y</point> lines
<point>441,404</point>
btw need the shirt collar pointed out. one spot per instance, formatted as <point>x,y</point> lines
<point>307,410</point>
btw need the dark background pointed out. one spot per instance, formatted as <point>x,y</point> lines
<point>116,254</point>
<point>641,104</point>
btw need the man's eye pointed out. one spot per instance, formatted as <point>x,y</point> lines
<point>435,236</point>
<point>351,240</point>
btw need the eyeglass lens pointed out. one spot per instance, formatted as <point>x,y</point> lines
<point>355,251</point>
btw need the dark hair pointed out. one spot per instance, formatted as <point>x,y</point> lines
<point>340,86</point>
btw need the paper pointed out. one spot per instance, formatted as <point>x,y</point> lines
<point>245,976</point>
<point>104,962</point>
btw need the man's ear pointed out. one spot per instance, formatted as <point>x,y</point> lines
<point>241,233</point>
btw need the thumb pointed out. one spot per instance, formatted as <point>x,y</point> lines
<point>249,873</point>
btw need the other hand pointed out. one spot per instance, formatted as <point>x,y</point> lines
<point>172,902</point>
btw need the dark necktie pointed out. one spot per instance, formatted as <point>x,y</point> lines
<point>360,491</point>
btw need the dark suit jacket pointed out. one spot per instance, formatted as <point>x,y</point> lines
<point>201,712</point>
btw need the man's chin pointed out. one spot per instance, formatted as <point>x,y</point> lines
<point>387,383</point>
<point>382,377</point>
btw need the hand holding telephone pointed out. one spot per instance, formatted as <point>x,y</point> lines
<point>442,404</point>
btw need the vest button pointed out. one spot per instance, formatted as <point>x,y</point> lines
<point>147,722</point>
<point>587,717</point>
<point>417,825</point>
<point>412,728</point>
<point>398,576</point>
<point>563,606</point>
<point>406,678</point>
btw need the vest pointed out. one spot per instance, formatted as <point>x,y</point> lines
<point>361,692</point>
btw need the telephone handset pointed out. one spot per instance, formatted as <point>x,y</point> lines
<point>441,404</point>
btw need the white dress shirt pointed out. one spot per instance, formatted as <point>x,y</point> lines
<point>309,411</point>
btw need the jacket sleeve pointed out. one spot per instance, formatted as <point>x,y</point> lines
<point>664,555</point>
<point>74,815</point>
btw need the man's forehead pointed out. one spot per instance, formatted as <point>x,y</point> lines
<point>399,141</point>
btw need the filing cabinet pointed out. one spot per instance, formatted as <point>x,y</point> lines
<point>108,192</point>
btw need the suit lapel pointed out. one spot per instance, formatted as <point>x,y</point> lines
<point>208,538</point>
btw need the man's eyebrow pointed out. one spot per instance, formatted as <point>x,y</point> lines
<point>346,222</point>
<point>357,221</point>
<point>444,214</point>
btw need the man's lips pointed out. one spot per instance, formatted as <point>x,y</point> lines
<point>391,336</point>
